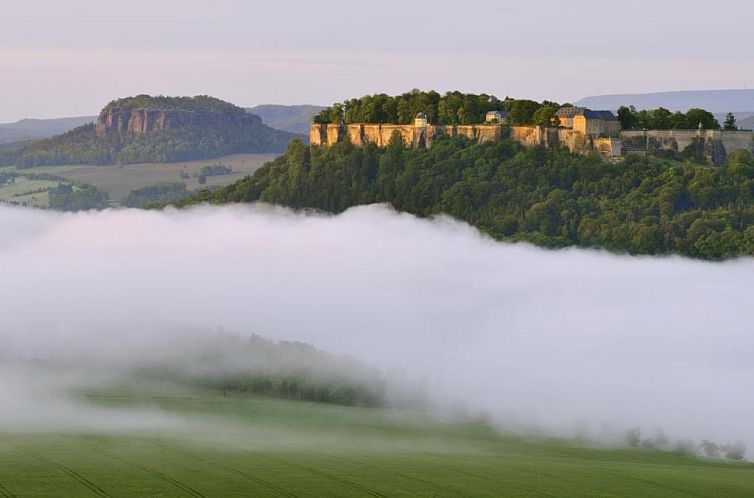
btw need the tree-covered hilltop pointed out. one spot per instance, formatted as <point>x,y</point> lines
<point>199,103</point>
<point>552,198</point>
<point>227,129</point>
<point>452,108</point>
<point>457,108</point>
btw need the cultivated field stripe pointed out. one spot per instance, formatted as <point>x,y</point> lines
<point>326,475</point>
<point>5,492</point>
<point>251,477</point>
<point>443,487</point>
<point>259,481</point>
<point>496,467</point>
<point>614,473</point>
<point>178,484</point>
<point>72,473</point>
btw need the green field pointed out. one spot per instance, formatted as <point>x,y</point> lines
<point>118,181</point>
<point>243,446</point>
<point>29,192</point>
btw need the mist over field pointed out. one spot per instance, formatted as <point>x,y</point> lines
<point>569,340</point>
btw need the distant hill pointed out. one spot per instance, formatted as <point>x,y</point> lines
<point>715,101</point>
<point>746,123</point>
<point>291,118</point>
<point>154,129</point>
<point>32,129</point>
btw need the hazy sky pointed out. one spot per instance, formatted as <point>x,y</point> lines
<point>559,338</point>
<point>70,58</point>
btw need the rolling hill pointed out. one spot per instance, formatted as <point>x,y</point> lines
<point>34,129</point>
<point>262,447</point>
<point>291,118</point>
<point>715,101</point>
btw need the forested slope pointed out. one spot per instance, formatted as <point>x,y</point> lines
<point>549,197</point>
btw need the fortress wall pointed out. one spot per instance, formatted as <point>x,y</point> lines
<point>380,134</point>
<point>489,133</point>
<point>333,134</point>
<point>574,140</point>
<point>735,140</point>
<point>683,138</point>
<point>732,140</point>
<point>528,136</point>
<point>715,144</point>
<point>355,133</point>
<point>467,131</point>
<point>608,148</point>
<point>434,131</point>
<point>318,134</point>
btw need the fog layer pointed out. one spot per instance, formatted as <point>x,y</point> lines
<point>553,339</point>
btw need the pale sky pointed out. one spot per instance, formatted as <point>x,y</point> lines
<point>71,58</point>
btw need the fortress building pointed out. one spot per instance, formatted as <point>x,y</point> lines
<point>496,117</point>
<point>588,122</point>
<point>581,130</point>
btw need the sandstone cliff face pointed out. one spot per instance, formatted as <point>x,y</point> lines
<point>713,144</point>
<point>140,121</point>
<point>380,134</point>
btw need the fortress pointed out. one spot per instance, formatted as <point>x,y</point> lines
<point>580,130</point>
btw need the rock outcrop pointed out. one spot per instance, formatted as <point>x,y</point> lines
<point>140,121</point>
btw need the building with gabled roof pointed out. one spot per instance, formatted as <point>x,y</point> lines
<point>495,116</point>
<point>589,122</point>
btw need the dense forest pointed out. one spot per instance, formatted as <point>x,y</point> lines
<point>77,197</point>
<point>156,194</point>
<point>553,198</point>
<point>83,145</point>
<point>452,108</point>
<point>199,103</point>
<point>456,108</point>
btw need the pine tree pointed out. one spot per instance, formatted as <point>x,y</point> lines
<point>730,122</point>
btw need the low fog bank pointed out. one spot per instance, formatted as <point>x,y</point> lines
<point>565,341</point>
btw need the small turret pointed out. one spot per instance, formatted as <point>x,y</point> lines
<point>420,121</point>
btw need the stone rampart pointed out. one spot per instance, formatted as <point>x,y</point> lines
<point>713,144</point>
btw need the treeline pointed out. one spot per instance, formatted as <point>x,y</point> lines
<point>284,369</point>
<point>77,197</point>
<point>452,108</point>
<point>84,146</point>
<point>663,119</point>
<point>552,198</point>
<point>159,193</point>
<point>735,451</point>
<point>66,196</point>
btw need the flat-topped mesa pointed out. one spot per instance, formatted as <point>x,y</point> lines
<point>143,120</point>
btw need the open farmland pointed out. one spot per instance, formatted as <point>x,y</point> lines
<point>118,181</point>
<point>27,192</point>
<point>260,447</point>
